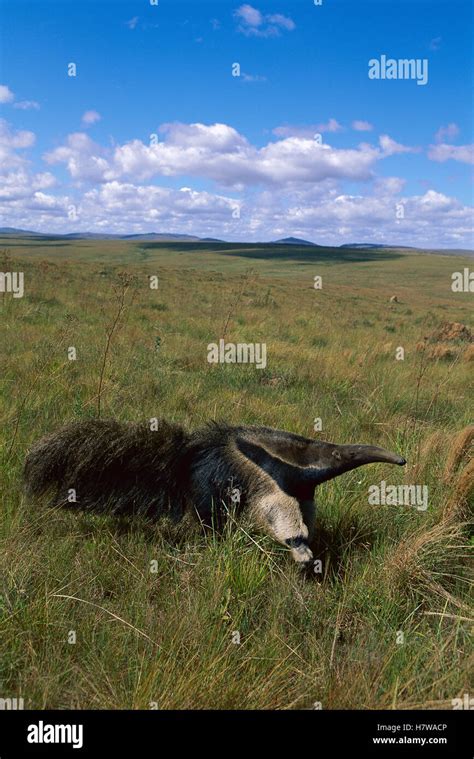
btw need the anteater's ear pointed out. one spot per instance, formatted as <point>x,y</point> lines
<point>270,461</point>
<point>284,447</point>
<point>287,458</point>
<point>256,452</point>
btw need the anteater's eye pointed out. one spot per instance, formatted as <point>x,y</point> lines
<point>336,454</point>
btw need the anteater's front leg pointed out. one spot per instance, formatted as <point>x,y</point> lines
<point>280,516</point>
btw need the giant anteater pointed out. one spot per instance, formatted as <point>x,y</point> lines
<point>133,469</point>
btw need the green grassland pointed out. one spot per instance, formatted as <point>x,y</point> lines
<point>387,625</point>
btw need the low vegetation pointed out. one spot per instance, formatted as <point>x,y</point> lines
<point>166,617</point>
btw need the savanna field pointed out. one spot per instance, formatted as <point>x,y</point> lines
<point>158,610</point>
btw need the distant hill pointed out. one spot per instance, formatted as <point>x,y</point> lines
<point>151,236</point>
<point>369,245</point>
<point>13,231</point>
<point>87,236</point>
<point>146,237</point>
<point>164,237</point>
<point>294,241</point>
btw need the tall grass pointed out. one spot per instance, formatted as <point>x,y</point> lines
<point>168,617</point>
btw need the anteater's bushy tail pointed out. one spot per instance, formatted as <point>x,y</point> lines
<point>114,467</point>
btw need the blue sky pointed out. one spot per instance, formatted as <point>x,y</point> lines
<point>154,133</point>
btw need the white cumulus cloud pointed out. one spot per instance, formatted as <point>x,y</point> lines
<point>443,152</point>
<point>291,185</point>
<point>90,117</point>
<point>391,147</point>
<point>83,158</point>
<point>448,132</point>
<point>17,182</point>
<point>362,126</point>
<point>216,152</point>
<point>253,23</point>
<point>6,95</point>
<point>310,131</point>
<point>27,105</point>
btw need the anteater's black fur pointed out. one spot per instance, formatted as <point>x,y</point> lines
<point>130,469</point>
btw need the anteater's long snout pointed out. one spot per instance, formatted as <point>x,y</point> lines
<point>369,454</point>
